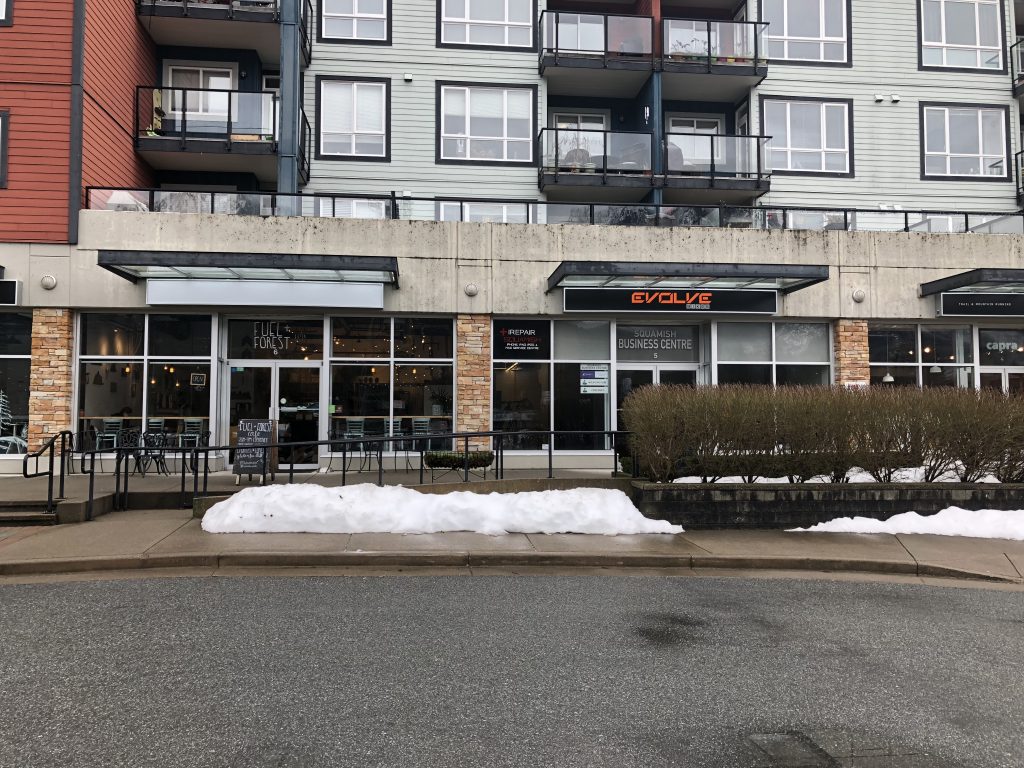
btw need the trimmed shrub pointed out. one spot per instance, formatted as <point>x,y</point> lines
<point>457,459</point>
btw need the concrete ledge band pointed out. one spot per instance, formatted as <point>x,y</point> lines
<point>482,559</point>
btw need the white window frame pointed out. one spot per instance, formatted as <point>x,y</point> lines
<point>206,106</point>
<point>982,52</point>
<point>382,131</point>
<point>448,21</point>
<point>356,16</point>
<point>984,160</point>
<point>789,149</point>
<point>509,213</point>
<point>5,13</point>
<point>777,31</point>
<point>469,139</point>
<point>719,121</point>
<point>353,208</point>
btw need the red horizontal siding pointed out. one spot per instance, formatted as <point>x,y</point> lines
<point>37,46</point>
<point>34,206</point>
<point>113,34</point>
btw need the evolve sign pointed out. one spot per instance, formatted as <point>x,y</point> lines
<point>990,304</point>
<point>686,300</point>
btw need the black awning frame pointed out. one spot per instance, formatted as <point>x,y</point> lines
<point>965,280</point>
<point>118,261</point>
<point>805,274</point>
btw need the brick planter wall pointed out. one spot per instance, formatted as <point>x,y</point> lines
<point>850,339</point>
<point>768,505</point>
<point>49,400</point>
<point>473,376</point>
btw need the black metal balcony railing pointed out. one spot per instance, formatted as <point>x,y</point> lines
<point>1019,167</point>
<point>206,113</point>
<point>396,207</point>
<point>268,10</point>
<point>605,152</point>
<point>716,156</point>
<point>713,43</point>
<point>305,143</point>
<point>306,30</point>
<point>597,35</point>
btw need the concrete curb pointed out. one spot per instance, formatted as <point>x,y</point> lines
<point>483,559</point>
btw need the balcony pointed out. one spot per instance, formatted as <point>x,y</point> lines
<point>249,24</point>
<point>735,167</point>
<point>572,158</point>
<point>1017,66</point>
<point>711,60</point>
<point>575,43</point>
<point>401,208</point>
<point>211,130</point>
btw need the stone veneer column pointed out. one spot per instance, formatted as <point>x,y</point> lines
<point>850,338</point>
<point>49,399</point>
<point>473,376</point>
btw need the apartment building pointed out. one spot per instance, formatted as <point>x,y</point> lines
<point>406,217</point>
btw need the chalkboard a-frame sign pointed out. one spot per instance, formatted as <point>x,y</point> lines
<point>249,455</point>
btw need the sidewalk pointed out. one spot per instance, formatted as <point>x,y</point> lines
<point>173,539</point>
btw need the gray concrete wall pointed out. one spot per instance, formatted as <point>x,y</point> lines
<point>510,263</point>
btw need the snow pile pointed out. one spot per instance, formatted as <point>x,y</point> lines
<point>952,521</point>
<point>393,509</point>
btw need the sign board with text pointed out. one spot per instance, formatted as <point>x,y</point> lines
<point>594,379</point>
<point>522,339</point>
<point>249,455</point>
<point>661,343</point>
<point>981,304</point>
<point>675,300</point>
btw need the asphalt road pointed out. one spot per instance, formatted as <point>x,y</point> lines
<point>505,671</point>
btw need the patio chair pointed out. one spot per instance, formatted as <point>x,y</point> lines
<point>109,433</point>
<point>153,447</point>
<point>420,429</point>
<point>192,433</point>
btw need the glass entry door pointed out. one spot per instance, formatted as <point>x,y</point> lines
<point>1007,380</point>
<point>628,379</point>
<point>288,394</point>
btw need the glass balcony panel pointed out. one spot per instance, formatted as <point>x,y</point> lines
<point>815,220</point>
<point>558,213</point>
<point>626,215</point>
<point>628,152</point>
<point>996,224</point>
<point>877,221</point>
<point>630,35</point>
<point>182,202</point>
<point>686,39</point>
<point>922,221</point>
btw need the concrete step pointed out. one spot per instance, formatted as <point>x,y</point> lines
<point>28,516</point>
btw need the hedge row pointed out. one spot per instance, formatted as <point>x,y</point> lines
<point>804,432</point>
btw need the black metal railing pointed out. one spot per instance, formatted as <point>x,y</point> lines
<point>395,206</point>
<point>1019,169</point>
<point>603,36</point>
<point>206,113</point>
<point>713,44</point>
<point>305,144</point>
<point>56,451</point>
<point>251,10</point>
<point>1017,62</point>
<point>716,156</point>
<point>306,19</point>
<point>194,462</point>
<point>572,150</point>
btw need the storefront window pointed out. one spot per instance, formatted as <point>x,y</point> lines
<point>112,335</point>
<point>275,339</point>
<point>361,337</point>
<point>522,402</point>
<point>892,343</point>
<point>784,354</point>
<point>894,376</point>
<point>386,395</point>
<point>581,339</point>
<point>15,364</point>
<point>122,396</point>
<point>423,337</point>
<point>1001,347</point>
<point>180,335</point>
<point>948,376</point>
<point>582,399</point>
<point>946,345</point>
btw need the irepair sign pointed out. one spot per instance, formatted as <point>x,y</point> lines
<point>675,300</point>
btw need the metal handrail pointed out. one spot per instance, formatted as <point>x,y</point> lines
<point>733,169</point>
<point>568,212</point>
<point>710,55</point>
<point>551,47</point>
<point>1017,59</point>
<point>197,458</point>
<point>158,112</point>
<point>48,448</point>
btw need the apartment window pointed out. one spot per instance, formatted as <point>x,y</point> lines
<point>694,144</point>
<point>5,13</point>
<point>483,212</point>
<point>964,34</point>
<point>808,136</point>
<point>355,20</point>
<point>354,208</point>
<point>807,30</point>
<point>503,23</point>
<point>5,123</point>
<point>204,90</point>
<point>486,124</point>
<point>966,142</point>
<point>353,118</point>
